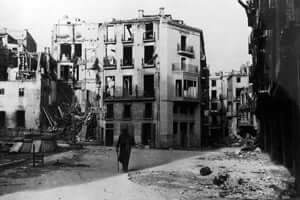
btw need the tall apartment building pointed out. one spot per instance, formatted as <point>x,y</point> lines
<point>274,44</point>
<point>237,81</point>
<point>26,86</point>
<point>151,77</point>
<point>217,106</point>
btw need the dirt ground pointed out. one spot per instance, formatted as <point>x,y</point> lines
<point>234,175</point>
<point>82,174</point>
<point>81,166</point>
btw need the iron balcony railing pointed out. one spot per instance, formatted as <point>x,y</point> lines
<point>127,63</point>
<point>109,63</point>
<point>110,40</point>
<point>148,63</point>
<point>131,93</point>
<point>128,39</point>
<point>185,68</point>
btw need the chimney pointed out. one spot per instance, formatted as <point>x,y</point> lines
<point>140,13</point>
<point>161,11</point>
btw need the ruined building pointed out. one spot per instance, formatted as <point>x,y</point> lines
<point>74,47</point>
<point>152,80</point>
<point>27,84</point>
<point>274,44</point>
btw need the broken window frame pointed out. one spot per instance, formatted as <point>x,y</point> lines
<point>128,35</point>
<point>149,34</point>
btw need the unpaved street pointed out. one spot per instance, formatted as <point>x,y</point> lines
<point>249,175</point>
<point>81,166</point>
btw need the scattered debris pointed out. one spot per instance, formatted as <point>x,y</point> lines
<point>204,171</point>
<point>220,179</point>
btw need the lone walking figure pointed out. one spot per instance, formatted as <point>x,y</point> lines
<point>123,148</point>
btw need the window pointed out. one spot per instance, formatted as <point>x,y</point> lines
<point>214,94</point>
<point>21,92</point>
<point>2,119</point>
<point>213,83</point>
<point>127,56</point>
<point>214,106</point>
<point>109,86</point>
<point>149,31</point>
<point>175,108</point>
<point>20,118</point>
<point>109,111</point>
<point>2,91</point>
<point>178,88</point>
<point>110,34</point>
<point>238,92</point>
<point>65,52</point>
<point>190,89</point>
<point>149,55</point>
<point>109,135</point>
<point>238,79</point>
<point>183,63</point>
<point>148,110</point>
<point>149,85</point>
<point>183,42</point>
<point>78,50</point>
<point>128,34</point>
<point>175,128</point>
<point>127,85</point>
<point>127,111</point>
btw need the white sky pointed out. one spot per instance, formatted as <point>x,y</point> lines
<point>224,22</point>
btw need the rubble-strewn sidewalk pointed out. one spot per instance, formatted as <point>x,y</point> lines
<point>232,175</point>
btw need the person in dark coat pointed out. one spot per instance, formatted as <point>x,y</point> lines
<point>125,142</point>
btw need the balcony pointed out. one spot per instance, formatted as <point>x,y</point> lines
<point>188,95</point>
<point>126,40</point>
<point>110,40</point>
<point>148,63</point>
<point>186,50</point>
<point>109,63</point>
<point>177,67</point>
<point>127,63</point>
<point>149,36</point>
<point>118,94</point>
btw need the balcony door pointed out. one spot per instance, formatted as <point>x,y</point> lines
<point>149,85</point>
<point>127,85</point>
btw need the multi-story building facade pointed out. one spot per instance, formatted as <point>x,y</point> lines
<point>24,76</point>
<point>246,121</point>
<point>151,77</point>
<point>274,46</point>
<point>237,81</point>
<point>217,106</point>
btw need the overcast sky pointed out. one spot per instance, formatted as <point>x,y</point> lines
<point>223,21</point>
